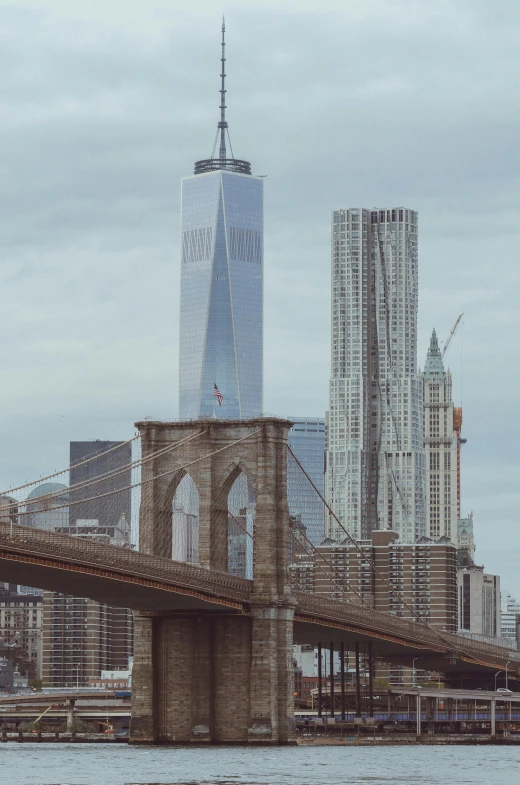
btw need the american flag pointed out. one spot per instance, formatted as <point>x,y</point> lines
<point>218,395</point>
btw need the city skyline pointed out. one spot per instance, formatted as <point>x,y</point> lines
<point>101,372</point>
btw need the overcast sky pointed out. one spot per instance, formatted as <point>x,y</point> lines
<point>104,106</point>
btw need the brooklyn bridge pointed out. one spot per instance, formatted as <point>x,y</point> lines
<point>213,645</point>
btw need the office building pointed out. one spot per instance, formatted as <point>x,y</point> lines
<point>423,575</point>
<point>465,542</point>
<point>221,309</point>
<point>47,507</point>
<point>81,637</point>
<point>510,617</point>
<point>375,456</point>
<point>441,447</point>
<point>307,441</point>
<point>478,601</point>
<point>97,470</point>
<point>21,630</point>
<point>8,509</point>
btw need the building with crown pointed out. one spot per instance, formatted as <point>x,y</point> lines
<point>441,444</point>
<point>465,541</point>
<point>221,309</point>
<point>375,473</point>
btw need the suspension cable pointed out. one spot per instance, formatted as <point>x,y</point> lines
<point>76,465</point>
<point>369,560</point>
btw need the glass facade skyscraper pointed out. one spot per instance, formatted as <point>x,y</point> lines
<point>221,313</point>
<point>221,295</point>
<point>307,441</point>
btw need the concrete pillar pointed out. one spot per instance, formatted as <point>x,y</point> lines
<point>418,714</point>
<point>493,717</point>
<point>69,703</point>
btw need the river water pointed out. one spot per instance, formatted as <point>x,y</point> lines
<point>99,764</point>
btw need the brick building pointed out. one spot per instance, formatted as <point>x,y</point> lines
<point>423,574</point>
<point>21,630</point>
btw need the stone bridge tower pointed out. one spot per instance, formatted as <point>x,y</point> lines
<point>221,675</point>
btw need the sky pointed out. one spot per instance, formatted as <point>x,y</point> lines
<point>105,106</point>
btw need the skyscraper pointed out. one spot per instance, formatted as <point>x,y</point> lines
<point>221,313</point>
<point>375,457</point>
<point>307,441</point>
<point>440,442</point>
<point>82,637</point>
<point>106,512</point>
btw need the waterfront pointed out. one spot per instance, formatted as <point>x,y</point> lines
<point>47,764</point>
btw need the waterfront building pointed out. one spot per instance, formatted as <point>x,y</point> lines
<point>510,617</point>
<point>21,630</point>
<point>307,441</point>
<point>478,601</point>
<point>82,637</point>
<point>375,455</point>
<point>221,308</point>
<point>423,576</point>
<point>441,447</point>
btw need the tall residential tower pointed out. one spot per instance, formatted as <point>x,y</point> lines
<point>375,458</point>
<point>221,324</point>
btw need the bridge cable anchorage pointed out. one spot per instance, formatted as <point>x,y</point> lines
<point>366,558</point>
<point>44,500</point>
<point>93,457</point>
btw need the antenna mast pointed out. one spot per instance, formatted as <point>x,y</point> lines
<point>231,164</point>
<point>223,124</point>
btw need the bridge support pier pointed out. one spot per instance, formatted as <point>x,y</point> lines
<point>215,678</point>
<point>221,675</point>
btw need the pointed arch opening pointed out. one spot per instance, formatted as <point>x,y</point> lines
<point>185,522</point>
<point>241,524</point>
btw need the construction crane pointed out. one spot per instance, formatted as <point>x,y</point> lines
<point>450,336</point>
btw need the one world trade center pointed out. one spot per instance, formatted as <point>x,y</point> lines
<point>221,314</point>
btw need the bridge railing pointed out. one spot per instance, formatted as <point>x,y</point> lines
<point>78,550</point>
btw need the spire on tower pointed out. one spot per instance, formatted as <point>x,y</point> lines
<point>223,124</point>
<point>222,162</point>
<point>434,367</point>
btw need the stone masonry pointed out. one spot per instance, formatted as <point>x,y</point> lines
<point>217,676</point>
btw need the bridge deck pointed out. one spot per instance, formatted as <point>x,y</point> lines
<point>139,581</point>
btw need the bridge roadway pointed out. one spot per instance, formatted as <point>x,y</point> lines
<point>152,584</point>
